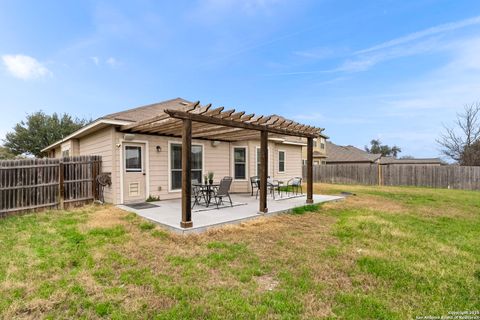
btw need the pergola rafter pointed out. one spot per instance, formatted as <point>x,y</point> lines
<point>203,122</point>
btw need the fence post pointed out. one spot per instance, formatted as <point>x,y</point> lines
<point>61,185</point>
<point>380,175</point>
<point>94,174</point>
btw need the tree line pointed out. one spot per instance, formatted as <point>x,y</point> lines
<point>37,131</point>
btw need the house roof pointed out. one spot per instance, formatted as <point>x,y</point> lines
<point>149,111</point>
<point>391,160</point>
<point>349,154</point>
<point>156,118</point>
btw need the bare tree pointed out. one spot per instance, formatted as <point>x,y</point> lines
<point>462,135</point>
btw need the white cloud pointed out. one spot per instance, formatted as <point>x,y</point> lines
<point>420,42</point>
<point>24,67</point>
<point>246,6</point>
<point>95,60</point>
<point>112,62</point>
<point>423,33</point>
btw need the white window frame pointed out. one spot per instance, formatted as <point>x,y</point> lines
<point>284,161</point>
<point>233,163</point>
<point>169,155</point>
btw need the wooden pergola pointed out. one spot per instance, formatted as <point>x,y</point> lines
<point>204,122</point>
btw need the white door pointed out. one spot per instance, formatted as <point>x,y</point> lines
<point>134,176</point>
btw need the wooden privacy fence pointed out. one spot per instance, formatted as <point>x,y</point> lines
<point>453,177</point>
<point>30,184</point>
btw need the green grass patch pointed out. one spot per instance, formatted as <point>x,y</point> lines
<point>144,226</point>
<point>306,208</point>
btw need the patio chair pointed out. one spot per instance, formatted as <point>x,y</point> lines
<point>197,193</point>
<point>253,183</point>
<point>223,191</point>
<point>272,186</point>
<point>294,185</point>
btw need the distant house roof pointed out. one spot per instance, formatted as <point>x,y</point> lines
<point>426,161</point>
<point>349,154</point>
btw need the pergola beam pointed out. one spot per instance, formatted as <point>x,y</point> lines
<point>236,124</point>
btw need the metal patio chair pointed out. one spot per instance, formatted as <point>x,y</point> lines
<point>223,191</point>
<point>295,184</point>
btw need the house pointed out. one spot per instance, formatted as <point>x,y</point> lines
<point>352,155</point>
<point>349,155</point>
<point>319,151</point>
<point>142,148</point>
<point>411,161</point>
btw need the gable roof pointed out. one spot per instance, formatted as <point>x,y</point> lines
<point>125,117</point>
<point>391,160</point>
<point>137,117</point>
<point>349,154</point>
<point>148,111</point>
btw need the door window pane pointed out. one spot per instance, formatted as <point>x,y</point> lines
<point>133,159</point>
<point>176,154</point>
<point>240,157</point>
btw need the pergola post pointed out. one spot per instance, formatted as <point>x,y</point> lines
<point>186,174</point>
<point>263,170</point>
<point>310,170</point>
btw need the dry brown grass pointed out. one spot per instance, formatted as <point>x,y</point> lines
<point>301,257</point>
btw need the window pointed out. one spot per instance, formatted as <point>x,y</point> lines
<point>314,143</point>
<point>281,161</point>
<point>240,163</point>
<point>258,160</point>
<point>133,159</point>
<point>176,164</point>
<point>322,146</point>
<point>66,153</point>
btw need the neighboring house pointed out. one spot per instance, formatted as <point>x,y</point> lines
<point>319,151</point>
<point>412,161</point>
<point>352,155</point>
<point>144,164</point>
<point>349,155</point>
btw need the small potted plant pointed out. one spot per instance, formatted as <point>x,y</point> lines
<point>210,177</point>
<point>205,178</point>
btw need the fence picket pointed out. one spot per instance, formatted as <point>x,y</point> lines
<point>451,176</point>
<point>30,184</point>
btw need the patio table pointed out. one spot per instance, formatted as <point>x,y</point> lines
<point>208,189</point>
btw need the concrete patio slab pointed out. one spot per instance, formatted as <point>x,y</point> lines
<point>168,212</point>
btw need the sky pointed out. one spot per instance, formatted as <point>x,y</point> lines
<point>389,70</point>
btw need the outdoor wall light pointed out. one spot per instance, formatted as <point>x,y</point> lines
<point>159,148</point>
<point>118,145</point>
<point>215,143</point>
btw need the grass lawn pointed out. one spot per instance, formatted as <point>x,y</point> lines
<point>386,253</point>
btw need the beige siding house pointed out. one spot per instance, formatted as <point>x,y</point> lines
<point>319,151</point>
<point>143,165</point>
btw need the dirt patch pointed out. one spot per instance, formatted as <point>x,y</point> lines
<point>266,283</point>
<point>106,217</point>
